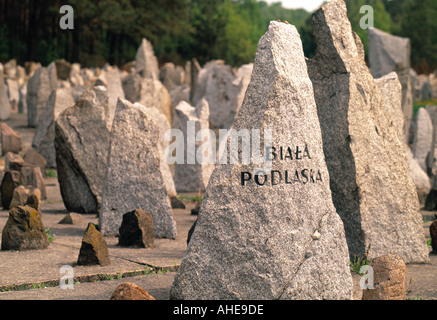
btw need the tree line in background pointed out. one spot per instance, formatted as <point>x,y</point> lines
<point>110,31</point>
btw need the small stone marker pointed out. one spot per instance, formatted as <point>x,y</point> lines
<point>23,196</point>
<point>136,230</point>
<point>94,249</point>
<point>133,178</point>
<point>13,162</point>
<point>11,180</point>
<point>389,277</point>
<point>130,291</point>
<point>11,141</point>
<point>72,218</point>
<point>254,235</point>
<point>370,176</point>
<point>24,230</point>
<point>34,159</point>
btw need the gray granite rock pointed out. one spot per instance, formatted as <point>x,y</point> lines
<point>163,126</point>
<point>370,182</point>
<point>133,180</point>
<point>154,94</point>
<point>5,106</point>
<point>82,135</point>
<point>38,92</point>
<point>423,132</point>
<point>111,79</point>
<point>420,178</point>
<point>216,83</point>
<point>256,241</point>
<point>389,53</point>
<point>146,64</point>
<point>44,138</point>
<point>192,177</point>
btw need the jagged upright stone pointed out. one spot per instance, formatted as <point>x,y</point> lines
<point>5,106</point>
<point>370,182</point>
<point>38,92</point>
<point>171,76</point>
<point>221,87</point>
<point>146,63</point>
<point>44,138</point>
<point>82,135</point>
<point>111,79</point>
<point>192,176</point>
<point>258,240</point>
<point>423,131</point>
<point>133,179</point>
<point>154,94</point>
<point>164,126</point>
<point>389,53</point>
<point>13,93</point>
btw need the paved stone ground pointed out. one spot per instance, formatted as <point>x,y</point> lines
<point>24,274</point>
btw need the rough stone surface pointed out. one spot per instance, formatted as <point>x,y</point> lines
<point>391,94</point>
<point>163,126</point>
<point>176,203</point>
<point>132,87</point>
<point>390,273</point>
<point>389,53</point>
<point>370,177</point>
<point>24,230</point>
<point>44,138</point>
<point>255,242</point>
<point>423,132</point>
<point>13,93</point>
<point>136,230</point>
<point>11,180</point>
<point>223,89</point>
<point>32,177</point>
<point>34,159</point>
<point>433,234</point>
<point>111,78</point>
<point>72,218</point>
<point>154,94</point>
<point>130,291</point>
<point>82,135</point>
<point>76,79</point>
<point>63,69</point>
<point>133,178</point>
<point>94,249</point>
<point>13,161</point>
<point>194,176</point>
<point>171,76</point>
<point>419,176</point>
<point>5,106</point>
<point>38,93</point>
<point>21,197</point>
<point>146,64</point>
<point>11,140</point>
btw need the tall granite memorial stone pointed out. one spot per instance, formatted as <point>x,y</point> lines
<point>133,179</point>
<point>271,233</point>
<point>370,182</point>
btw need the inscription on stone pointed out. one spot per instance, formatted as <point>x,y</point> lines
<point>278,177</point>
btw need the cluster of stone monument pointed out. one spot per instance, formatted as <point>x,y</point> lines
<point>103,129</point>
